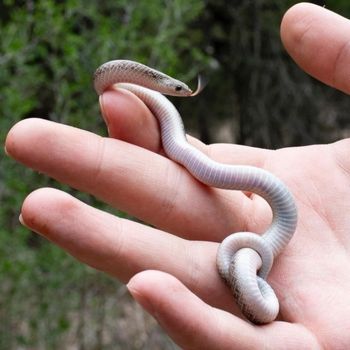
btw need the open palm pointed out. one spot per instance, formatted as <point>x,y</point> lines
<point>172,268</point>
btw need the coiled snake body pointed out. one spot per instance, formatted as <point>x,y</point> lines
<point>244,259</point>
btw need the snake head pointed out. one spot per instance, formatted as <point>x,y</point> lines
<point>176,87</point>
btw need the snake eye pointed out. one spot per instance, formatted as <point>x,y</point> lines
<point>178,88</point>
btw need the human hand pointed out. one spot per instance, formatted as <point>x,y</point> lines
<point>188,298</point>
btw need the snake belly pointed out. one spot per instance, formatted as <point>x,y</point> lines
<point>244,259</point>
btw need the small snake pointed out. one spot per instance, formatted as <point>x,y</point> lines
<point>244,259</point>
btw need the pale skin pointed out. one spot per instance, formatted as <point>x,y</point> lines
<point>171,270</point>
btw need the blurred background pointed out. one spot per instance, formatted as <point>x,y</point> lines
<point>48,52</point>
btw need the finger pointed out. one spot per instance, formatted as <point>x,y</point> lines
<point>142,183</point>
<point>129,119</point>
<point>121,247</point>
<point>195,325</point>
<point>318,40</point>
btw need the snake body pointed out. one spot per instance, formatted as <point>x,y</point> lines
<point>244,259</point>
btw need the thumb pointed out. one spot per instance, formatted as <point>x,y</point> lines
<point>318,41</point>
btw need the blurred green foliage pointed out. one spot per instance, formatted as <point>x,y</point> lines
<point>48,52</point>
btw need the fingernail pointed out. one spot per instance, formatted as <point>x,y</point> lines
<point>20,218</point>
<point>5,150</point>
<point>103,112</point>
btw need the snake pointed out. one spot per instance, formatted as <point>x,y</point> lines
<point>243,259</point>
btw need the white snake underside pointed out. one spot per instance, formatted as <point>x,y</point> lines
<point>244,259</point>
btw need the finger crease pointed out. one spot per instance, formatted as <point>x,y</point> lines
<point>100,155</point>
